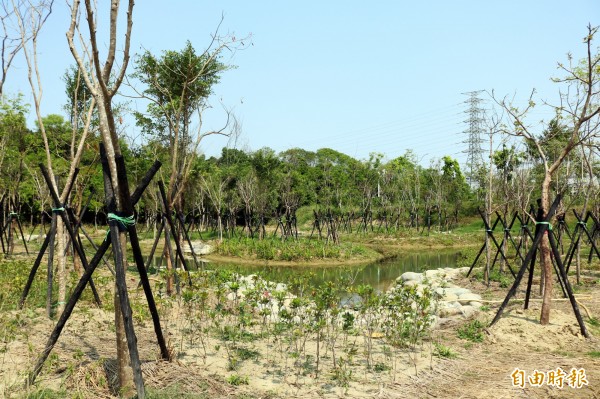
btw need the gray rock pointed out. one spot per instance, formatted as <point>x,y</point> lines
<point>431,274</point>
<point>468,297</point>
<point>468,311</point>
<point>450,297</point>
<point>442,291</point>
<point>450,311</point>
<point>411,276</point>
<point>412,282</point>
<point>200,248</point>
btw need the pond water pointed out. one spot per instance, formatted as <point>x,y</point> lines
<point>380,275</point>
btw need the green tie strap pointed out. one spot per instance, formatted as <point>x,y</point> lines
<point>546,223</point>
<point>125,221</point>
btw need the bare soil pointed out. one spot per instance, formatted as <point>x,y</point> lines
<point>83,360</point>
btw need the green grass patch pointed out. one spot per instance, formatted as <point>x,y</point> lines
<point>301,250</point>
<point>471,331</point>
<point>443,351</point>
<point>236,380</point>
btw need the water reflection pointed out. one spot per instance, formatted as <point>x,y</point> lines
<point>380,275</point>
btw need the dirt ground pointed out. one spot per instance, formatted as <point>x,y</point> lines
<point>517,340</point>
<point>479,370</point>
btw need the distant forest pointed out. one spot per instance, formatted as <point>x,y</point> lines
<point>248,189</point>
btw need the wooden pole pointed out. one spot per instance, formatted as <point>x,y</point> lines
<point>85,278</point>
<point>161,187</point>
<point>50,265</point>
<point>536,242</point>
<point>67,223</point>
<point>139,260</point>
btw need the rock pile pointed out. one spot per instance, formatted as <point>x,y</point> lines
<point>454,301</point>
<point>200,248</point>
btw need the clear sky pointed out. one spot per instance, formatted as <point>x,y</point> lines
<point>355,76</point>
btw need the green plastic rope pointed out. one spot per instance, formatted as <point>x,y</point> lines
<point>125,221</point>
<point>61,209</point>
<point>13,214</point>
<point>546,223</point>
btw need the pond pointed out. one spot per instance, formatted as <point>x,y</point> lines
<point>380,275</point>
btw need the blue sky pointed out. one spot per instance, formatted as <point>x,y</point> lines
<point>355,76</point>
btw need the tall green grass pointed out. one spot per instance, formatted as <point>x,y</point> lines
<point>303,249</point>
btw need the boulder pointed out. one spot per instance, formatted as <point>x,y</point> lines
<point>450,297</point>
<point>468,311</point>
<point>450,311</point>
<point>468,297</point>
<point>443,291</point>
<point>200,248</point>
<point>410,276</point>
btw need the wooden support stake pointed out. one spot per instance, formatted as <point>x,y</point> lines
<point>67,223</point>
<point>83,281</point>
<point>536,242</point>
<point>161,187</point>
<point>139,260</point>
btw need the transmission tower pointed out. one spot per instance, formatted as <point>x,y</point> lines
<point>474,131</point>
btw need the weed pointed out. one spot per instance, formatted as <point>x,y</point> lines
<point>381,367</point>
<point>472,331</point>
<point>236,380</point>
<point>246,354</point>
<point>342,374</point>
<point>444,351</point>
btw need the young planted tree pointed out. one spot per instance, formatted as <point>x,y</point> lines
<point>103,81</point>
<point>578,109</point>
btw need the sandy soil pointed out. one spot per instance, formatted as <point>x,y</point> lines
<point>83,360</point>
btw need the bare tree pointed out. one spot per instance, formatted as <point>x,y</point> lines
<point>12,41</point>
<point>103,82</point>
<point>579,109</point>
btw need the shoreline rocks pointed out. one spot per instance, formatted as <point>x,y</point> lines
<point>454,301</point>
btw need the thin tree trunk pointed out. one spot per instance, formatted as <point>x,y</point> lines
<point>61,273</point>
<point>545,256</point>
<point>125,372</point>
